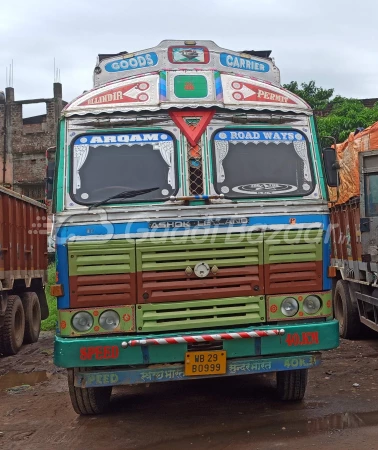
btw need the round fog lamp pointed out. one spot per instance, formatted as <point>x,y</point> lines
<point>109,320</point>
<point>82,321</point>
<point>289,307</point>
<point>312,304</point>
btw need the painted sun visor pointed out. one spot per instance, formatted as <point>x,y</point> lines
<point>127,94</point>
<point>172,55</point>
<point>243,91</point>
<point>186,88</point>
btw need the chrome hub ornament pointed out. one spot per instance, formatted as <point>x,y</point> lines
<point>202,270</point>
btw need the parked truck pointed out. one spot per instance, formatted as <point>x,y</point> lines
<point>354,225</point>
<point>23,270</point>
<point>191,220</point>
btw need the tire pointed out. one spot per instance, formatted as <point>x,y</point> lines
<point>88,401</point>
<point>32,310</point>
<point>291,384</point>
<point>12,332</point>
<point>346,311</point>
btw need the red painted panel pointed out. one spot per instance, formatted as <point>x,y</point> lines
<point>346,237</point>
<point>192,133</point>
<point>102,290</point>
<point>290,278</point>
<point>19,238</point>
<point>169,286</point>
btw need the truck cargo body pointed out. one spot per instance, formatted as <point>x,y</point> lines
<point>354,223</point>
<point>23,270</point>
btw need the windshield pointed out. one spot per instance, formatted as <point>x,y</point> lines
<point>105,165</point>
<point>269,163</point>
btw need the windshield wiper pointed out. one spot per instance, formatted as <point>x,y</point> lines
<point>125,194</point>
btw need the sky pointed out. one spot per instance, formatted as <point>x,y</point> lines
<point>333,42</point>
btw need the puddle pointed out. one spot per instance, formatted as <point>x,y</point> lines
<point>13,379</point>
<point>285,430</point>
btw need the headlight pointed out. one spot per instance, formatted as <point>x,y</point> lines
<point>82,321</point>
<point>289,307</point>
<point>312,304</point>
<point>109,320</point>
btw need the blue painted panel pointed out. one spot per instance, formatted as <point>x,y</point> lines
<point>118,139</point>
<point>327,282</point>
<point>136,62</point>
<point>62,271</point>
<point>123,229</point>
<point>238,62</point>
<point>266,136</point>
<point>175,372</point>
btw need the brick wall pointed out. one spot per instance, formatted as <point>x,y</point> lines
<point>24,142</point>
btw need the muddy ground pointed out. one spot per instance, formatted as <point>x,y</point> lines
<point>340,410</point>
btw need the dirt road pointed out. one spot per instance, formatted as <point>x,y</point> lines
<point>238,413</point>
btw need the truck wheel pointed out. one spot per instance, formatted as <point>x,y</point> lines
<point>32,310</point>
<point>346,311</point>
<point>12,332</point>
<point>88,401</point>
<point>291,384</point>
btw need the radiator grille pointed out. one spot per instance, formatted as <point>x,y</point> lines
<point>178,286</point>
<point>100,258</point>
<point>293,277</point>
<point>293,246</point>
<point>196,314</point>
<point>222,251</point>
<point>102,290</point>
<point>293,261</point>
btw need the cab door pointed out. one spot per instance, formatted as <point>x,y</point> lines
<point>369,205</point>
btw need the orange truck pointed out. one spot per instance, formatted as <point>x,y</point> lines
<point>23,270</point>
<point>354,225</point>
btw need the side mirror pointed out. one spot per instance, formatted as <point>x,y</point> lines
<point>50,180</point>
<point>331,166</point>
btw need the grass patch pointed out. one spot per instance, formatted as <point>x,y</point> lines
<point>50,322</point>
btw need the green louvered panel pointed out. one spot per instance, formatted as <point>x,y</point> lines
<point>100,258</point>
<point>293,246</point>
<point>199,314</point>
<point>222,251</point>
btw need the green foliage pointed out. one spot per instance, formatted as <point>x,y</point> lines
<point>344,116</point>
<point>317,97</point>
<point>50,322</point>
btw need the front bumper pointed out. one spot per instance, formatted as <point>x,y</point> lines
<point>110,351</point>
<point>175,372</point>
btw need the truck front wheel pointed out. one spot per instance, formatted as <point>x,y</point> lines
<point>291,384</point>
<point>12,332</point>
<point>88,401</point>
<point>32,310</point>
<point>346,311</point>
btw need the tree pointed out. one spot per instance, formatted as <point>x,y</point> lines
<point>317,97</point>
<point>345,115</point>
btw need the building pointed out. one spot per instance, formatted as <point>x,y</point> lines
<point>24,142</point>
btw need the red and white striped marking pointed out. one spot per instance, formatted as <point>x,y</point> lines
<point>204,338</point>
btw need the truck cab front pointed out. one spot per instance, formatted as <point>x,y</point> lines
<point>192,225</point>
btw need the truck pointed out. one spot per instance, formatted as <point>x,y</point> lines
<point>354,263</point>
<point>23,270</point>
<point>191,218</point>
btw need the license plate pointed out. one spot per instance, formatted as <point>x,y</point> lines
<point>205,363</point>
